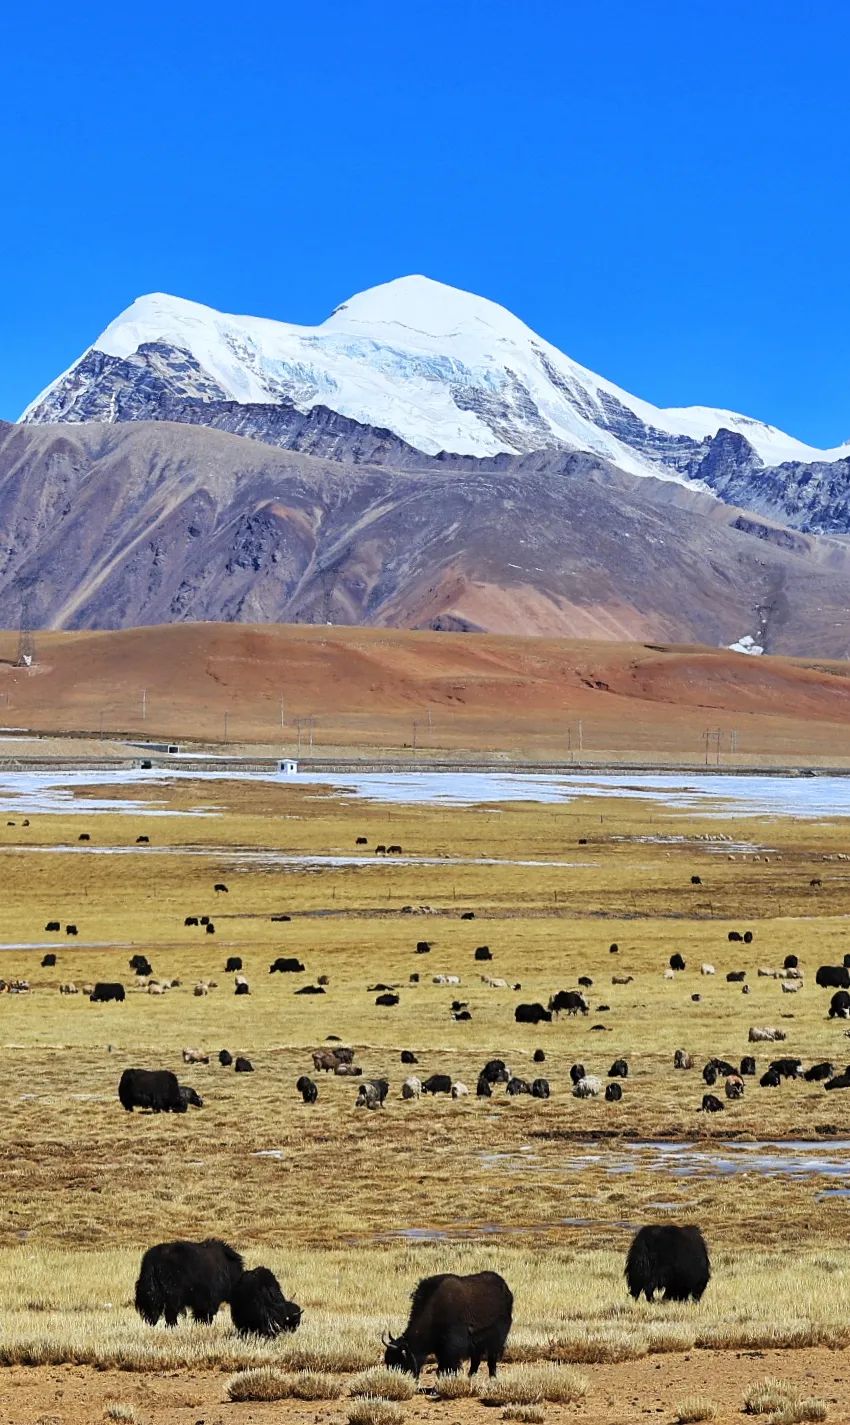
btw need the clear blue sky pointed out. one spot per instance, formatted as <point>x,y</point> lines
<point>661,189</point>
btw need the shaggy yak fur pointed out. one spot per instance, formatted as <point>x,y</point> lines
<point>672,1260</point>
<point>455,1319</point>
<point>156,1089</point>
<point>258,1306</point>
<point>186,1276</point>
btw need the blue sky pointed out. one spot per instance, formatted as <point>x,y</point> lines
<point>661,189</point>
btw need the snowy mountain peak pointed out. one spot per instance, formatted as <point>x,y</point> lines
<point>441,368</point>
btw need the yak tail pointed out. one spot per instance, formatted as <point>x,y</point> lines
<point>150,1292</point>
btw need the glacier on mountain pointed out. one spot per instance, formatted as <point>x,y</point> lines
<point>442,369</point>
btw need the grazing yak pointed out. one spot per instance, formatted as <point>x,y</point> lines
<point>210,928</point>
<point>496,1071</point>
<point>619,1069</point>
<point>483,952</point>
<point>190,920</point>
<point>484,1089</point>
<point>677,962</point>
<point>613,1093</point>
<point>790,962</point>
<point>748,1066</point>
<point>189,1097</point>
<point>539,1057</point>
<point>696,880</point>
<point>669,1259</point>
<point>225,1058</point>
<point>186,1276</point>
<point>540,1088</point>
<point>817,1072</point>
<point>569,1002</point>
<point>387,1000</point>
<point>234,964</point>
<point>258,1307</point>
<point>156,1089</point>
<point>411,1088</point>
<point>326,1059</point>
<point>105,991</point>
<point>833,977</point>
<point>614,949</point>
<point>588,1087</point>
<point>437,1083</point>
<point>517,1086</point>
<point>243,1065</point>
<point>195,1056</point>
<point>47,960</point>
<point>577,1071</point>
<point>141,965</point>
<point>286,965</point>
<point>839,1005</point>
<point>735,977</point>
<point>361,841</point>
<point>787,1068</point>
<point>682,1059</point>
<point>368,1097</point>
<point>532,1014</point>
<point>455,1319</point>
<point>70,930</point>
<point>734,1086</point>
<point>220,886</point>
<point>467,915</point>
<point>408,1057</point>
<point>53,925</point>
<point>310,990</point>
<point>351,1071</point>
<point>734,935</point>
<point>423,947</point>
<point>840,1081</point>
<point>711,1104</point>
<point>770,1079</point>
<point>762,1035</point>
<point>307,1089</point>
<point>143,841</point>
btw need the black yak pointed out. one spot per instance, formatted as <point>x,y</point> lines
<point>614,949</point>
<point>840,1081</point>
<point>307,1089</point>
<point>210,928</point>
<point>748,937</point>
<point>455,1319</point>
<point>437,1083</point>
<point>734,935</point>
<point>53,925</point>
<point>387,1000</point>
<point>540,1088</point>
<point>833,977</point>
<point>483,953</point>
<point>496,1071</point>
<point>613,1093</point>
<point>677,962</point>
<point>47,960</point>
<point>70,930</point>
<point>156,1089</point>
<point>770,1079</point>
<point>190,920</point>
<point>278,919</point>
<point>234,964</point>
<point>673,1260</point>
<point>243,1065</point>
<point>839,1005</point>
<point>696,880</point>
<point>790,962</point>
<point>220,886</point>
<point>619,1069</point>
<point>532,1014</point>
<point>423,947</point>
<point>820,1071</point>
<point>571,1001</point>
<point>711,1104</point>
<point>408,1057</point>
<point>258,1307</point>
<point>786,1068</point>
<point>142,840</point>
<point>484,1088</point>
<point>539,1057</point>
<point>468,915</point>
<point>310,990</point>
<point>735,977</point>
<point>242,988</point>
<point>577,1071</point>
<point>284,965</point>
<point>516,1086</point>
<point>189,1096</point>
<point>186,1276</point>
<point>748,1066</point>
<point>585,981</point>
<point>140,965</point>
<point>225,1058</point>
<point>104,991</point>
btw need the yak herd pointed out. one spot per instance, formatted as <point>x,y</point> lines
<point>452,1318</point>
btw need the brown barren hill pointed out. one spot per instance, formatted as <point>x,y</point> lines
<point>386,690</point>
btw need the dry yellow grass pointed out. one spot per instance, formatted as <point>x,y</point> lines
<point>694,1408</point>
<point>372,1410</point>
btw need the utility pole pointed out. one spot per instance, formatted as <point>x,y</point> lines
<point>281,713</point>
<point>226,717</point>
<point>298,726</point>
<point>144,704</point>
<point>580,737</point>
<point>26,639</point>
<point>413,744</point>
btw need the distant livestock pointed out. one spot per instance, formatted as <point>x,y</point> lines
<point>496,1071</point>
<point>790,962</point>
<point>225,1058</point>
<point>759,1035</point>
<point>467,915</point>
<point>52,925</point>
<point>540,1088</point>
<point>243,1065</point>
<point>668,1259</point>
<point>408,1057</point>
<point>411,1088</point>
<point>459,1090</point>
<point>577,1071</point>
<point>437,1083</point>
<point>70,929</point>
<point>195,1056</point>
<point>234,963</point>
<point>682,1060</point>
<point>186,1276</point>
<point>445,979</point>
<point>387,1000</point>
<point>568,1002</point>
<point>532,1014</point>
<point>748,1066</point>
<point>833,977</point>
<point>484,1088</point>
<point>706,969</point>
<point>155,1089</point>
<point>840,1081</point>
<point>588,1087</point>
<point>677,962</point>
<point>734,1086</point>
<point>423,947</point>
<point>258,1307</point>
<point>220,886</point>
<point>285,965</point>
<point>696,880</point>
<point>69,989</point>
<point>516,1086</point>
<point>734,936</point>
<point>735,977</point>
<point>483,953</point>
<point>368,1097</point>
<point>839,1005</point>
<point>105,991</point>
<point>188,1097</point>
<point>190,920</point>
<point>454,1318</point>
<point>613,1093</point>
<point>711,1104</point>
<point>818,1072</point>
<point>307,1089</point>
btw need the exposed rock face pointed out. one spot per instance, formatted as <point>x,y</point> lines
<point>138,523</point>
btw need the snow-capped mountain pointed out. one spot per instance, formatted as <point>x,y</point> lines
<point>440,369</point>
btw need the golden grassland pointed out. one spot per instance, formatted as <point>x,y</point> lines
<point>350,1207</point>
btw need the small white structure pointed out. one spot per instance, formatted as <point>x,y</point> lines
<point>173,748</point>
<point>287,766</point>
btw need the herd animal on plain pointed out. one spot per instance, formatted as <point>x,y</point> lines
<point>452,1318</point>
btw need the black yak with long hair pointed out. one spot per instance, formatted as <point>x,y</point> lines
<point>672,1260</point>
<point>156,1089</point>
<point>258,1306</point>
<point>186,1276</point>
<point>455,1319</point>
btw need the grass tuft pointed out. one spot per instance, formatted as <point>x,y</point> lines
<point>121,1410</point>
<point>694,1408</point>
<point>458,1387</point>
<point>525,1414</point>
<point>529,1385</point>
<point>269,1383</point>
<point>372,1410</point>
<point>782,1404</point>
<point>384,1382</point>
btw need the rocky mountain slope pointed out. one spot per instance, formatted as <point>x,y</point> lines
<point>414,367</point>
<point>150,522</point>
